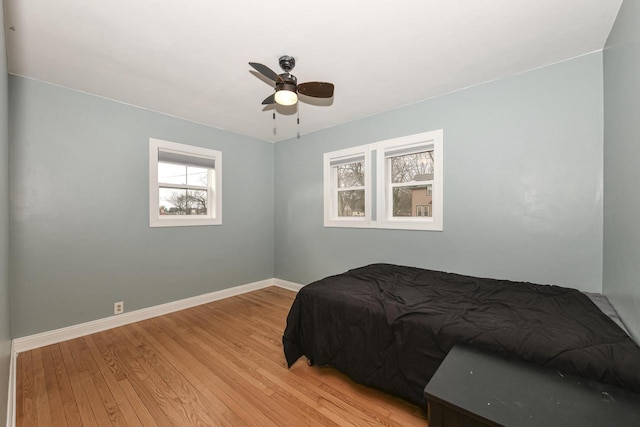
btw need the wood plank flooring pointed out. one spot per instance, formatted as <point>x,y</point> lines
<point>219,364</point>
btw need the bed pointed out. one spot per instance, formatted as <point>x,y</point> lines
<point>390,327</point>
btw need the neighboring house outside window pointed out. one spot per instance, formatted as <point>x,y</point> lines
<point>421,197</point>
<point>184,185</point>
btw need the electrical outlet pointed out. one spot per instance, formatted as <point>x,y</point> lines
<point>118,307</point>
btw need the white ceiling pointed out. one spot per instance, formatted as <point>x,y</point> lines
<point>190,58</point>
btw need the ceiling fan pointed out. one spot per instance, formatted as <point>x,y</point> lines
<point>286,84</point>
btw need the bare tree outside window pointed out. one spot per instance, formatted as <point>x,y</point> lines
<point>351,200</point>
<point>406,168</point>
<point>198,200</point>
<point>351,175</point>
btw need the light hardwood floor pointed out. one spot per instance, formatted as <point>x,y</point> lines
<point>219,364</point>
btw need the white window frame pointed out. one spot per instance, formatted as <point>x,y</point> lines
<point>349,155</point>
<point>214,210</point>
<point>384,187</point>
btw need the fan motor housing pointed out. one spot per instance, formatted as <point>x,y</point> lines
<point>289,82</point>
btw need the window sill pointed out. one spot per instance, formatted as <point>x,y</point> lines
<point>184,222</point>
<point>386,225</point>
<point>349,223</point>
<point>409,225</point>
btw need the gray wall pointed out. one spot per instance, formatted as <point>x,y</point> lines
<point>80,223</point>
<point>5,336</point>
<point>522,184</point>
<point>622,166</point>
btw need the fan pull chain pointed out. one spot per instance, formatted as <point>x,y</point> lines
<point>275,131</point>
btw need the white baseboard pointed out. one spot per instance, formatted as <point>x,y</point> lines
<point>11,395</point>
<point>75,331</point>
<point>70,332</point>
<point>287,285</point>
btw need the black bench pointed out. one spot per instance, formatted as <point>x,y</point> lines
<point>473,388</point>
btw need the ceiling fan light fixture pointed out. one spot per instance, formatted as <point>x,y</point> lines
<point>286,97</point>
<point>286,84</point>
<point>286,90</point>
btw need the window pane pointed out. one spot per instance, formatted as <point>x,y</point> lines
<point>170,173</point>
<point>172,201</point>
<point>412,167</point>
<point>182,202</point>
<point>197,202</point>
<point>351,175</point>
<point>351,203</point>
<point>197,176</point>
<point>412,201</point>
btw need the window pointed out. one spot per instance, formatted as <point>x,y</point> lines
<point>347,183</point>
<point>184,185</point>
<point>423,210</point>
<point>409,182</point>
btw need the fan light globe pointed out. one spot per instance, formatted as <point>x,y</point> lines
<point>286,97</point>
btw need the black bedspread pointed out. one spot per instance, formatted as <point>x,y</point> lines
<point>390,327</point>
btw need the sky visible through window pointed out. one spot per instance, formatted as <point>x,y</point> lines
<point>187,200</point>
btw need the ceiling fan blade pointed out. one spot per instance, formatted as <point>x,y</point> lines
<point>316,89</point>
<point>265,71</point>
<point>271,99</point>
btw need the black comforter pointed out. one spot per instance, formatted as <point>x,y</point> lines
<point>390,327</point>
